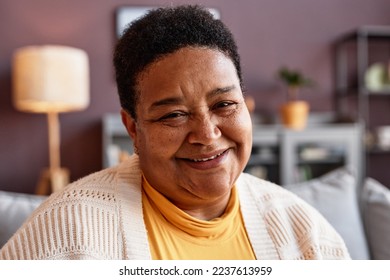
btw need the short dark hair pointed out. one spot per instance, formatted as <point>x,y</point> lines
<point>163,31</point>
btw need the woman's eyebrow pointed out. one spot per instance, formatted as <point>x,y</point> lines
<point>167,101</point>
<point>179,100</point>
<point>222,90</point>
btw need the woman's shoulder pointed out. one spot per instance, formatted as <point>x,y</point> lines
<point>71,215</point>
<point>103,185</point>
<point>96,186</point>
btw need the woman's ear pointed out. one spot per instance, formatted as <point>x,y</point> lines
<point>130,124</point>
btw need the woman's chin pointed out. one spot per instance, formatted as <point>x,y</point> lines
<point>211,187</point>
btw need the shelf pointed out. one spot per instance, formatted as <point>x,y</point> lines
<point>351,66</point>
<point>377,150</point>
<point>372,32</point>
<point>378,93</point>
<point>353,92</point>
<point>355,53</point>
<point>328,160</point>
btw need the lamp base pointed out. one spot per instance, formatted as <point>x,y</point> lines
<point>52,180</point>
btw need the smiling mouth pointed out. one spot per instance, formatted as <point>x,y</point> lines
<point>206,159</point>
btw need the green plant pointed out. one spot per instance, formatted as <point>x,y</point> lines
<point>294,81</point>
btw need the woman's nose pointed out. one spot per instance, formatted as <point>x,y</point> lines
<point>204,130</point>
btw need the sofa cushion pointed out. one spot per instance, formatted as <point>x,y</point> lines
<point>14,210</point>
<point>334,195</point>
<point>376,209</point>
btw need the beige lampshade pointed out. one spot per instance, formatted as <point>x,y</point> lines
<point>50,79</point>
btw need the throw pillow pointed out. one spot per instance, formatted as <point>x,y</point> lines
<point>14,210</point>
<point>376,212</point>
<point>334,195</point>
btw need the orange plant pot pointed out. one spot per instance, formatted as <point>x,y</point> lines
<point>294,114</point>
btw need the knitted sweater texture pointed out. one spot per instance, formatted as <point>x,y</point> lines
<point>100,217</point>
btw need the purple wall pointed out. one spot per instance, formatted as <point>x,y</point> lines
<point>270,33</point>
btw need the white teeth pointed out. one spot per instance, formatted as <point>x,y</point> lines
<point>206,159</point>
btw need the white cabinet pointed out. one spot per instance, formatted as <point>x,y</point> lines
<point>317,150</point>
<point>286,156</point>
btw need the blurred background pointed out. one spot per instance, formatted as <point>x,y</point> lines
<point>270,34</point>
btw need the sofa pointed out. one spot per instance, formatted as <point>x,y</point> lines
<point>14,210</point>
<point>361,214</point>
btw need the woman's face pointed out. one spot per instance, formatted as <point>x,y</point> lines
<point>193,131</point>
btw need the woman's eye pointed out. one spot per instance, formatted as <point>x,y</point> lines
<point>173,115</point>
<point>173,119</point>
<point>224,104</point>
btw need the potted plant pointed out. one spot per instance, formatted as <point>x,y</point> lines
<point>294,112</point>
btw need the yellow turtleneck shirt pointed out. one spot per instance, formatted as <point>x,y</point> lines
<point>175,235</point>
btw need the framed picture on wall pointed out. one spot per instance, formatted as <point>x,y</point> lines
<point>127,14</point>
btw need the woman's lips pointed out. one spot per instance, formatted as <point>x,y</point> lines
<point>208,158</point>
<point>207,162</point>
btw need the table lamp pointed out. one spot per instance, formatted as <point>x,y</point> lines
<point>51,79</point>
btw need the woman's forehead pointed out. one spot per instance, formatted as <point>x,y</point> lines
<point>189,69</point>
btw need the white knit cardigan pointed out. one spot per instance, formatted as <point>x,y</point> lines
<point>100,217</point>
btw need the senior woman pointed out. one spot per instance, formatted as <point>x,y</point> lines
<point>183,195</point>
